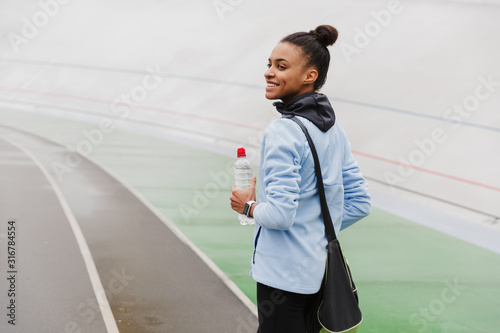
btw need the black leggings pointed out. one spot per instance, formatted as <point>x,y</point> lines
<point>282,311</point>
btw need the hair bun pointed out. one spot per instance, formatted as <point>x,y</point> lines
<point>325,34</point>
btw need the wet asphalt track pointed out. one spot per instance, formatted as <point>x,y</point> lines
<point>154,282</point>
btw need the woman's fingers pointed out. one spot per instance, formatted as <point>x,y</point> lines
<point>237,204</point>
<point>240,197</point>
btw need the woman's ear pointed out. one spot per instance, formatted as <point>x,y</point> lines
<point>311,76</point>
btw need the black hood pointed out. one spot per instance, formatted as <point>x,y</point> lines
<point>312,106</point>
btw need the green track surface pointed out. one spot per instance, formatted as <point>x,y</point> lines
<point>410,278</point>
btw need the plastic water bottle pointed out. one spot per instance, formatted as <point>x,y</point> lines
<point>243,172</point>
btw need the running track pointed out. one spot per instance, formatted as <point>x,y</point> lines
<point>89,236</point>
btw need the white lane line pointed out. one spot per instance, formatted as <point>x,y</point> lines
<point>99,291</point>
<point>217,271</point>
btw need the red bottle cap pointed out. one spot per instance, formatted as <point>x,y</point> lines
<point>241,152</point>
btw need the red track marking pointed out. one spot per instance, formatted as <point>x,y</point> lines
<point>427,171</point>
<point>97,100</point>
<point>150,108</point>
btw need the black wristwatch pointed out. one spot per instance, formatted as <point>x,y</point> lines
<point>246,209</point>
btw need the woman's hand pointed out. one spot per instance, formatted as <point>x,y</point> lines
<point>240,197</point>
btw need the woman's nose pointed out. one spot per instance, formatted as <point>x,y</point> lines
<point>269,73</point>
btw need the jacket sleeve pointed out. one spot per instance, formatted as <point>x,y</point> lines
<point>283,151</point>
<point>356,198</point>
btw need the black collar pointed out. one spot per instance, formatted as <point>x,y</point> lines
<point>312,106</point>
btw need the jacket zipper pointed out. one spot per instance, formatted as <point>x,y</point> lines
<point>255,244</point>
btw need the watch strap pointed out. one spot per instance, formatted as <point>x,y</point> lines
<point>247,208</point>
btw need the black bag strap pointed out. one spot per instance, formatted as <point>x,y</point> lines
<point>327,219</point>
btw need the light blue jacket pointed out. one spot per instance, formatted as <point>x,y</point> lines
<point>290,250</point>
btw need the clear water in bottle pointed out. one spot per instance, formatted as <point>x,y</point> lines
<point>243,172</point>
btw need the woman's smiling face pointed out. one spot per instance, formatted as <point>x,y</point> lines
<point>288,75</point>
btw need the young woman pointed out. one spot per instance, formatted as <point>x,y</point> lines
<point>289,258</point>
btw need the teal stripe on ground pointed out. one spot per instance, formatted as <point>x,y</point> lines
<point>410,278</point>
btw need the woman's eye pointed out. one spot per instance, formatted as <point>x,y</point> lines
<point>279,66</point>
